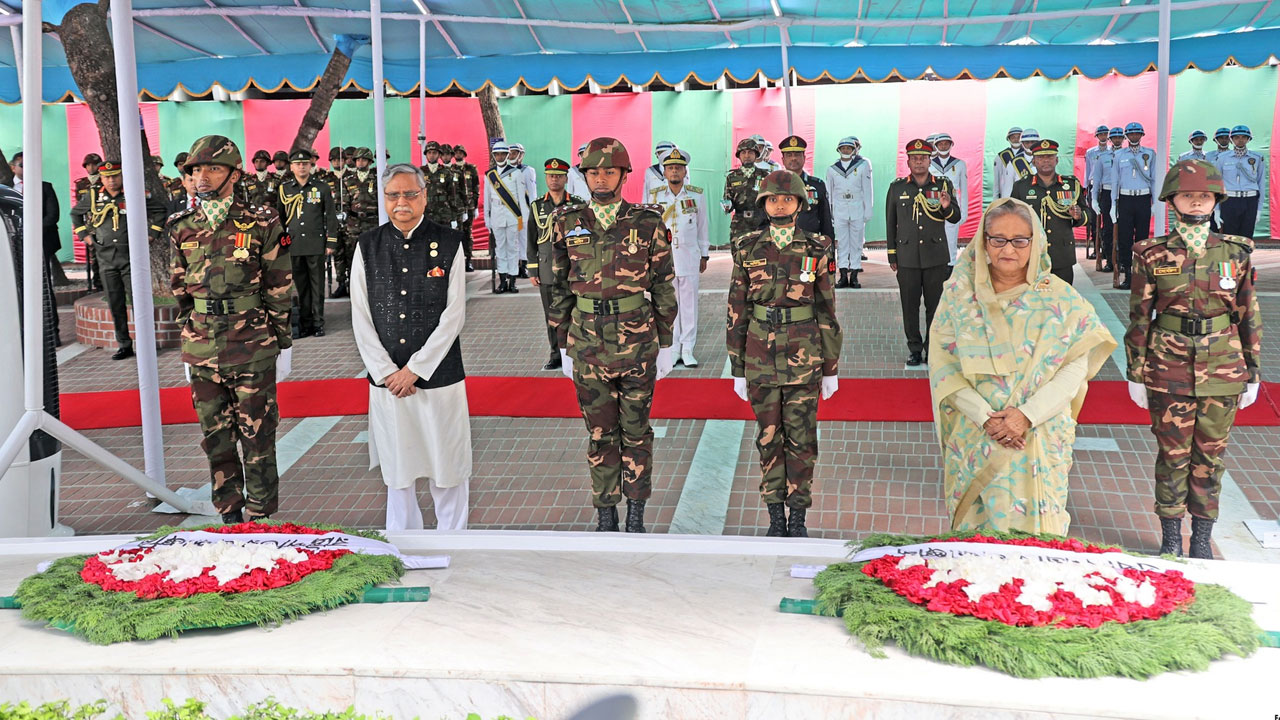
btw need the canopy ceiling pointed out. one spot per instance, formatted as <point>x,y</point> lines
<point>193,44</point>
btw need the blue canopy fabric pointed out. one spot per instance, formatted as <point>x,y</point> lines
<point>1206,34</point>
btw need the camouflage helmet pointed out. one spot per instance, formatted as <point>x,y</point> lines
<point>214,150</point>
<point>262,155</point>
<point>606,152</point>
<point>783,182</point>
<point>364,153</point>
<point>745,145</point>
<point>280,155</point>
<point>1193,176</point>
<point>180,158</point>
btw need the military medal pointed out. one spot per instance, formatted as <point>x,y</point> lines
<point>1227,271</point>
<point>807,267</point>
<point>242,246</point>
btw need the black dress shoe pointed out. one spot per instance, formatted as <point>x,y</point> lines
<point>318,332</point>
<point>1106,267</point>
<point>915,359</point>
<point>554,363</point>
<point>340,292</point>
<point>470,267</point>
<point>123,353</point>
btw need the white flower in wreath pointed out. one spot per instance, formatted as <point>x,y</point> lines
<point>225,561</point>
<point>1041,579</point>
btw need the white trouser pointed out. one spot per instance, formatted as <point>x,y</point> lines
<point>953,240</point>
<point>452,507</point>
<point>851,233</point>
<point>685,331</point>
<point>506,242</point>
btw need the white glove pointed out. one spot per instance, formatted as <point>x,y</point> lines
<point>186,372</point>
<point>1096,209</point>
<point>465,216</point>
<point>566,364</point>
<point>1249,396</point>
<point>1138,394</point>
<point>726,206</point>
<point>1114,216</point>
<point>453,224</point>
<point>284,364</point>
<point>830,383</point>
<point>666,361</point>
<point>740,388</point>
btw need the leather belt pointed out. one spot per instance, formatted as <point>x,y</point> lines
<point>1242,193</point>
<point>1193,325</point>
<point>1132,193</point>
<point>223,306</point>
<point>616,306</point>
<point>782,315</point>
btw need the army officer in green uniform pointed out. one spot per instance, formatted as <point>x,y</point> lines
<point>1198,360</point>
<point>784,345</point>
<point>232,279</point>
<point>1060,203</point>
<point>310,217</point>
<point>99,221</point>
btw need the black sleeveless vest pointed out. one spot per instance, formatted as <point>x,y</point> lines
<point>408,283</point>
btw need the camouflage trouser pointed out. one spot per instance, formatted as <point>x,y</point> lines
<point>347,241</point>
<point>239,404</point>
<point>615,404</point>
<point>1191,434</point>
<point>787,416</point>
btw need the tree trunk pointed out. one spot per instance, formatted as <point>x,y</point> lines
<point>322,96</point>
<point>492,118</point>
<point>86,41</point>
<point>6,172</point>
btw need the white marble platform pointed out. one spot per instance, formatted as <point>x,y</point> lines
<point>536,624</point>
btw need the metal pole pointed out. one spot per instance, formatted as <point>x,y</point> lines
<point>132,164</point>
<point>1162,108</point>
<point>422,85</point>
<point>16,35</point>
<point>379,102</point>
<point>786,76</point>
<point>32,212</point>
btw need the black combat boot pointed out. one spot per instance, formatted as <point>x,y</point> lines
<point>795,524</point>
<point>853,279</point>
<point>502,284</point>
<point>843,282</point>
<point>1171,536</point>
<point>524,271</point>
<point>1201,546</point>
<point>777,520</point>
<point>511,282</point>
<point>607,519</point>
<point>635,516</point>
<point>1127,283</point>
<point>470,267</point>
<point>235,517</point>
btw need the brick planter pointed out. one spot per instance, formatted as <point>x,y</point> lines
<point>68,294</point>
<point>94,326</point>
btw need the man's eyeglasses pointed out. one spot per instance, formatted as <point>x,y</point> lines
<point>408,195</point>
<point>999,242</point>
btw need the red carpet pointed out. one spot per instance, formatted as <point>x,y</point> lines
<point>887,400</point>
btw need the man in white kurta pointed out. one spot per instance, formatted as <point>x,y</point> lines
<point>946,165</point>
<point>505,210</point>
<point>419,426</point>
<point>852,197</point>
<point>684,212</point>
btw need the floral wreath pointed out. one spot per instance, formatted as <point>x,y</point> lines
<point>124,595</point>
<point>1135,623</point>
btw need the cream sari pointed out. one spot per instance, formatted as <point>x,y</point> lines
<point>1006,346</point>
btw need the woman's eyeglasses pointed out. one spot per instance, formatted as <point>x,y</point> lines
<point>999,242</point>
<point>408,195</point>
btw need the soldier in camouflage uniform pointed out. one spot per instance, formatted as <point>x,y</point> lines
<point>359,193</point>
<point>231,276</point>
<point>260,186</point>
<point>784,345</point>
<point>177,191</point>
<point>1197,361</point>
<point>469,196</point>
<point>99,221</point>
<point>442,200</point>
<point>615,341</point>
<point>740,188</point>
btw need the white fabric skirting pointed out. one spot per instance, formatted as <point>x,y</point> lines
<point>426,435</point>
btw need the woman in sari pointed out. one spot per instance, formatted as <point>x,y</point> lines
<point>1011,352</point>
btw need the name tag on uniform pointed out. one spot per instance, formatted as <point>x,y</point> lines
<point>754,263</point>
<point>1167,270</point>
<point>572,241</point>
<point>190,245</point>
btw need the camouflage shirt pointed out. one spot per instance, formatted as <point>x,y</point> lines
<point>631,257</point>
<point>1167,280</point>
<point>741,185</point>
<point>442,200</point>
<point>359,202</point>
<point>470,185</point>
<point>793,276</point>
<point>207,265</point>
<point>253,191</point>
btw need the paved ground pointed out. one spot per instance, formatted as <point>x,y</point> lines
<point>531,473</point>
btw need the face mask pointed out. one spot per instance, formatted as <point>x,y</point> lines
<point>846,156</point>
<point>944,155</point>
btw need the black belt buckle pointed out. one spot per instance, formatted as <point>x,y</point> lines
<point>776,315</point>
<point>1193,326</point>
<point>604,307</point>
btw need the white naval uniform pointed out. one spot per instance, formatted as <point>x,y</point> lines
<point>852,198</point>
<point>427,434</point>
<point>957,171</point>
<point>1011,174</point>
<point>530,177</point>
<point>768,166</point>
<point>576,184</point>
<point>690,242</point>
<point>654,178</point>
<point>506,229</point>
<point>1001,185</point>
